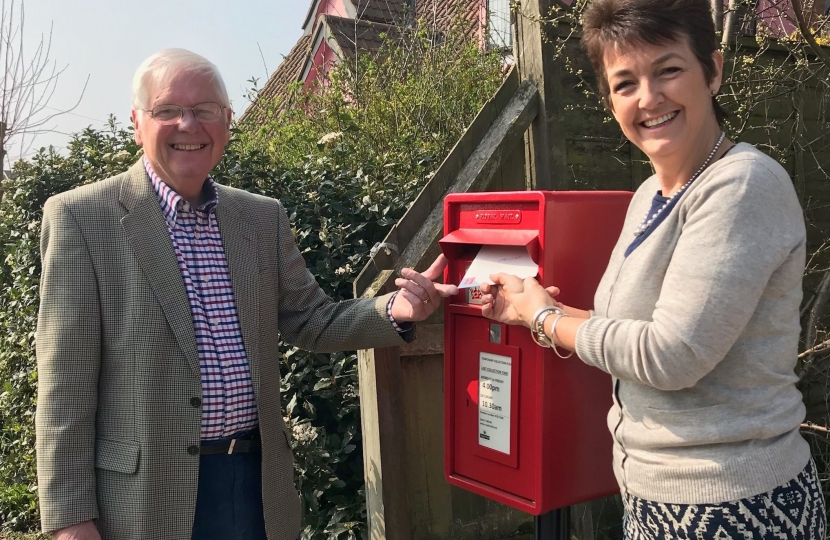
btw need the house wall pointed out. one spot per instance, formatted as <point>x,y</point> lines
<point>323,59</point>
<point>327,7</point>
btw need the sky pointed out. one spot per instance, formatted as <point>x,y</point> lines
<point>106,40</point>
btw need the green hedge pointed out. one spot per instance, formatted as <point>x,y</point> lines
<point>345,162</point>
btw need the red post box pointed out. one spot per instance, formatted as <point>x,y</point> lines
<point>522,426</point>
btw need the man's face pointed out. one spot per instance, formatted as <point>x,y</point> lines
<point>183,153</point>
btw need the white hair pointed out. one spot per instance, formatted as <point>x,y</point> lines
<point>159,69</point>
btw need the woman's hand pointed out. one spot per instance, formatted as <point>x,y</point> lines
<point>514,301</point>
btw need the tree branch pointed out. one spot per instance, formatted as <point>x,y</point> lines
<point>809,426</point>
<point>798,8</point>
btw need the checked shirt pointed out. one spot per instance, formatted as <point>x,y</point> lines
<point>228,402</point>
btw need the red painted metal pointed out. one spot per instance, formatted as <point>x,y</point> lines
<point>560,448</point>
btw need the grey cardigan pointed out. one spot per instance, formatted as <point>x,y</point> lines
<point>699,327</point>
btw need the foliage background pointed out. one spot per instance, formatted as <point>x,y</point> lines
<point>345,162</point>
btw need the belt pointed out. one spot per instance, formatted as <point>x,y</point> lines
<point>250,442</point>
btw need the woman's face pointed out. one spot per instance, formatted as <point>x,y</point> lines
<point>660,96</point>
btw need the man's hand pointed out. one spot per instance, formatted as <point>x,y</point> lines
<point>81,531</point>
<point>419,296</point>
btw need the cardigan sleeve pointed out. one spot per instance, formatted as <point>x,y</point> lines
<point>737,229</point>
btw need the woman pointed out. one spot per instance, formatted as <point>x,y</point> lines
<point>697,315</point>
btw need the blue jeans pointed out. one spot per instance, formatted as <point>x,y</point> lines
<point>229,498</point>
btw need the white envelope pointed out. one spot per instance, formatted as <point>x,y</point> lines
<point>496,259</point>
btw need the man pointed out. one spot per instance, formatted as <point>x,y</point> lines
<point>163,297</point>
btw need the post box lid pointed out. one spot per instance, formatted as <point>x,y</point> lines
<point>452,243</point>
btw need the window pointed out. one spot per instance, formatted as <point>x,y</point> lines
<point>498,12</point>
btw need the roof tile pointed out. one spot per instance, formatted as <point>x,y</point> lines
<point>355,35</point>
<point>383,11</point>
<point>374,18</point>
<point>280,82</point>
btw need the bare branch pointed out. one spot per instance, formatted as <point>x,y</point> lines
<point>29,82</point>
<point>809,426</point>
<point>818,302</point>
<point>807,34</point>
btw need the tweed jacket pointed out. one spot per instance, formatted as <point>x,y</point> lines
<point>117,422</point>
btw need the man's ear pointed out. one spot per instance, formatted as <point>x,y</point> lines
<point>136,132</point>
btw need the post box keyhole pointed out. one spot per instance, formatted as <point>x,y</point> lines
<point>495,333</point>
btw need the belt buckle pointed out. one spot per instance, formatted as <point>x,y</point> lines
<point>230,449</point>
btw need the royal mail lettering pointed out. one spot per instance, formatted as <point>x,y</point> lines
<point>499,216</point>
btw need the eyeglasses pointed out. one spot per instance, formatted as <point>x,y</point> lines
<point>171,114</point>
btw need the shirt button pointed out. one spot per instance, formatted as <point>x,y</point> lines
<point>196,234</point>
<point>214,322</point>
<point>231,408</point>
<point>193,450</point>
<point>196,402</point>
<point>186,207</point>
<point>205,278</point>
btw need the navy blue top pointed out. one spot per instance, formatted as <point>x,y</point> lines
<point>658,201</point>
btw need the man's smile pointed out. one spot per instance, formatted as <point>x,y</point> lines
<point>187,147</point>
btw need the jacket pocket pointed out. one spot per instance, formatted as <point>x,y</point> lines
<point>119,456</point>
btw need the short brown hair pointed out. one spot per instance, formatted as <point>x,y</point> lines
<point>653,22</point>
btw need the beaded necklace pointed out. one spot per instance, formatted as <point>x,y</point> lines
<point>647,221</point>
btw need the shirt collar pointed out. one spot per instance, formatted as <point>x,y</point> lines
<point>171,202</point>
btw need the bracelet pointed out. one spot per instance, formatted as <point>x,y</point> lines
<point>537,325</point>
<point>553,339</point>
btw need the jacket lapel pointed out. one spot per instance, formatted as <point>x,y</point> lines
<point>239,240</point>
<point>148,235</point>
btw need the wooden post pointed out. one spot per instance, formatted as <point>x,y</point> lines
<point>730,27</point>
<point>546,156</point>
<point>407,497</point>
<point>384,439</point>
<point>2,158</point>
<point>717,15</point>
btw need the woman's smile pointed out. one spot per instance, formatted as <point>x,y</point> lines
<point>661,121</point>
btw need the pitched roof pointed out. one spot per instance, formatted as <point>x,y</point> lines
<point>373,19</point>
<point>442,14</point>
<point>383,11</point>
<point>350,35</point>
<point>278,85</point>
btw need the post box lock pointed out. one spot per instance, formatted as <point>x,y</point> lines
<point>495,333</point>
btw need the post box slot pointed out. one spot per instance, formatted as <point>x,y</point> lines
<point>455,244</point>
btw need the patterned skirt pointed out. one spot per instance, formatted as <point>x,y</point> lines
<point>793,511</point>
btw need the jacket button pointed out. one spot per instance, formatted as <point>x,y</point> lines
<point>196,402</point>
<point>193,450</point>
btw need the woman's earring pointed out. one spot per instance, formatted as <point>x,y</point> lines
<point>714,92</point>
